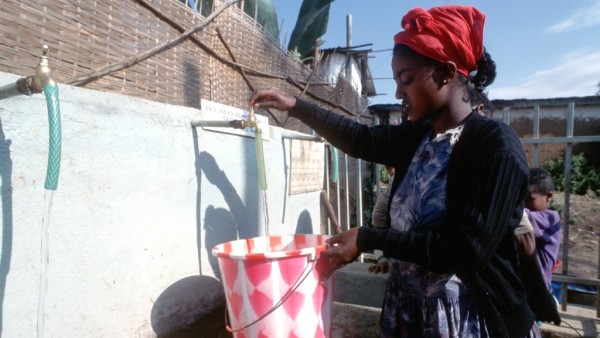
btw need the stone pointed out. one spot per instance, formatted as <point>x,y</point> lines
<point>186,303</point>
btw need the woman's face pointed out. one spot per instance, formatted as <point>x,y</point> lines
<point>417,86</point>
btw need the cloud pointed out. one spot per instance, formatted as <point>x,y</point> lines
<point>577,74</point>
<point>584,17</point>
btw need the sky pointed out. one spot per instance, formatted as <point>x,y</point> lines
<point>542,48</point>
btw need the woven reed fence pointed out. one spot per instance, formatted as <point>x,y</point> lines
<point>224,61</point>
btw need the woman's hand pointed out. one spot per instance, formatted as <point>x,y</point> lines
<point>341,254</point>
<point>270,98</point>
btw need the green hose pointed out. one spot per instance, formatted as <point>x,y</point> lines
<point>260,161</point>
<point>334,176</point>
<point>51,92</point>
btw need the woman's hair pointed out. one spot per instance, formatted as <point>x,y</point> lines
<point>485,74</point>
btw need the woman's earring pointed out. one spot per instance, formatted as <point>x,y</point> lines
<point>445,81</point>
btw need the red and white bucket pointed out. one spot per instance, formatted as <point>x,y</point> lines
<point>273,286</point>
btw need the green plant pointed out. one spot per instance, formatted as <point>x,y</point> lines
<point>383,174</point>
<point>584,177</point>
<point>370,187</point>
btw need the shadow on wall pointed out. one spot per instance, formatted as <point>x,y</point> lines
<point>195,305</point>
<point>221,225</point>
<point>304,225</point>
<point>7,216</point>
<point>191,91</point>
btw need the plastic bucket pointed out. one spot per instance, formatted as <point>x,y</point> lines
<point>273,286</point>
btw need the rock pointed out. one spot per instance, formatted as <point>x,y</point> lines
<point>187,303</point>
<point>355,321</point>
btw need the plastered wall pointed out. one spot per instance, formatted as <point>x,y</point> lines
<point>141,199</point>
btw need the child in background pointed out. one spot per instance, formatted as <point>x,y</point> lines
<point>380,219</point>
<point>545,221</point>
<point>535,277</point>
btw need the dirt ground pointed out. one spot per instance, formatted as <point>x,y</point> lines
<point>584,234</point>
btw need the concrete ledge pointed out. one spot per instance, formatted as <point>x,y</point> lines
<point>354,284</point>
<point>355,321</point>
<point>578,321</point>
<point>358,296</point>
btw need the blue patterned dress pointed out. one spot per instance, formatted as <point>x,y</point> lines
<point>418,302</point>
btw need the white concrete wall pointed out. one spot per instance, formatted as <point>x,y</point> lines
<point>141,199</point>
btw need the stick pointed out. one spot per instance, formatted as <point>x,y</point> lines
<point>295,83</point>
<point>248,82</point>
<point>330,212</point>
<point>86,78</point>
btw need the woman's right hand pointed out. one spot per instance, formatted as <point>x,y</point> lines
<point>271,98</point>
<point>342,250</point>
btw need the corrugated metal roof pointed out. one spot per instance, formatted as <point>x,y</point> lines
<point>360,56</point>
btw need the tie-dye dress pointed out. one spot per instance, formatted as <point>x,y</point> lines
<point>418,302</point>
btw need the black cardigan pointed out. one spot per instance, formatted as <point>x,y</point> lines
<point>486,186</point>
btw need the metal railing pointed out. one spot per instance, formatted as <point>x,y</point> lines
<point>535,140</point>
<point>569,140</point>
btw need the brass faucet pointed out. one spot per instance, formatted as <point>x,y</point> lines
<point>43,74</point>
<point>251,121</point>
<point>31,84</point>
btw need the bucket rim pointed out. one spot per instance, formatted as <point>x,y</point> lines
<point>316,242</point>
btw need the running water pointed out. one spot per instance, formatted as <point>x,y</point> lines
<point>52,173</point>
<point>265,212</point>
<point>44,262</point>
<point>262,180</point>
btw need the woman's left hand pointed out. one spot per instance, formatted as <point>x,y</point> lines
<point>343,250</point>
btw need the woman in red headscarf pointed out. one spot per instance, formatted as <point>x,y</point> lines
<point>458,192</point>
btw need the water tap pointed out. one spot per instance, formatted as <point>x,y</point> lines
<point>251,121</point>
<point>43,74</point>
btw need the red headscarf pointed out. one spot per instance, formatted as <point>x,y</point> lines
<point>445,33</point>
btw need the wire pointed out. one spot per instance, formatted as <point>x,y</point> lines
<point>287,295</point>
<point>382,50</point>
<point>574,329</point>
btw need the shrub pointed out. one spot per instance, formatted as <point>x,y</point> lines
<point>584,177</point>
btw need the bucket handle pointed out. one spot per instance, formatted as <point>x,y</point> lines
<point>289,292</point>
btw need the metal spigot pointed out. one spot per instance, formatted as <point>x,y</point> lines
<point>43,73</point>
<point>32,84</point>
<point>251,121</point>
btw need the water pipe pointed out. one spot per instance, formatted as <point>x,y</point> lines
<point>23,86</point>
<point>292,135</point>
<point>236,124</point>
<point>31,84</point>
<point>249,122</point>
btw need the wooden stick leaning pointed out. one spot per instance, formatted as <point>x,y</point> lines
<point>96,74</point>
<point>241,70</point>
<point>86,78</point>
